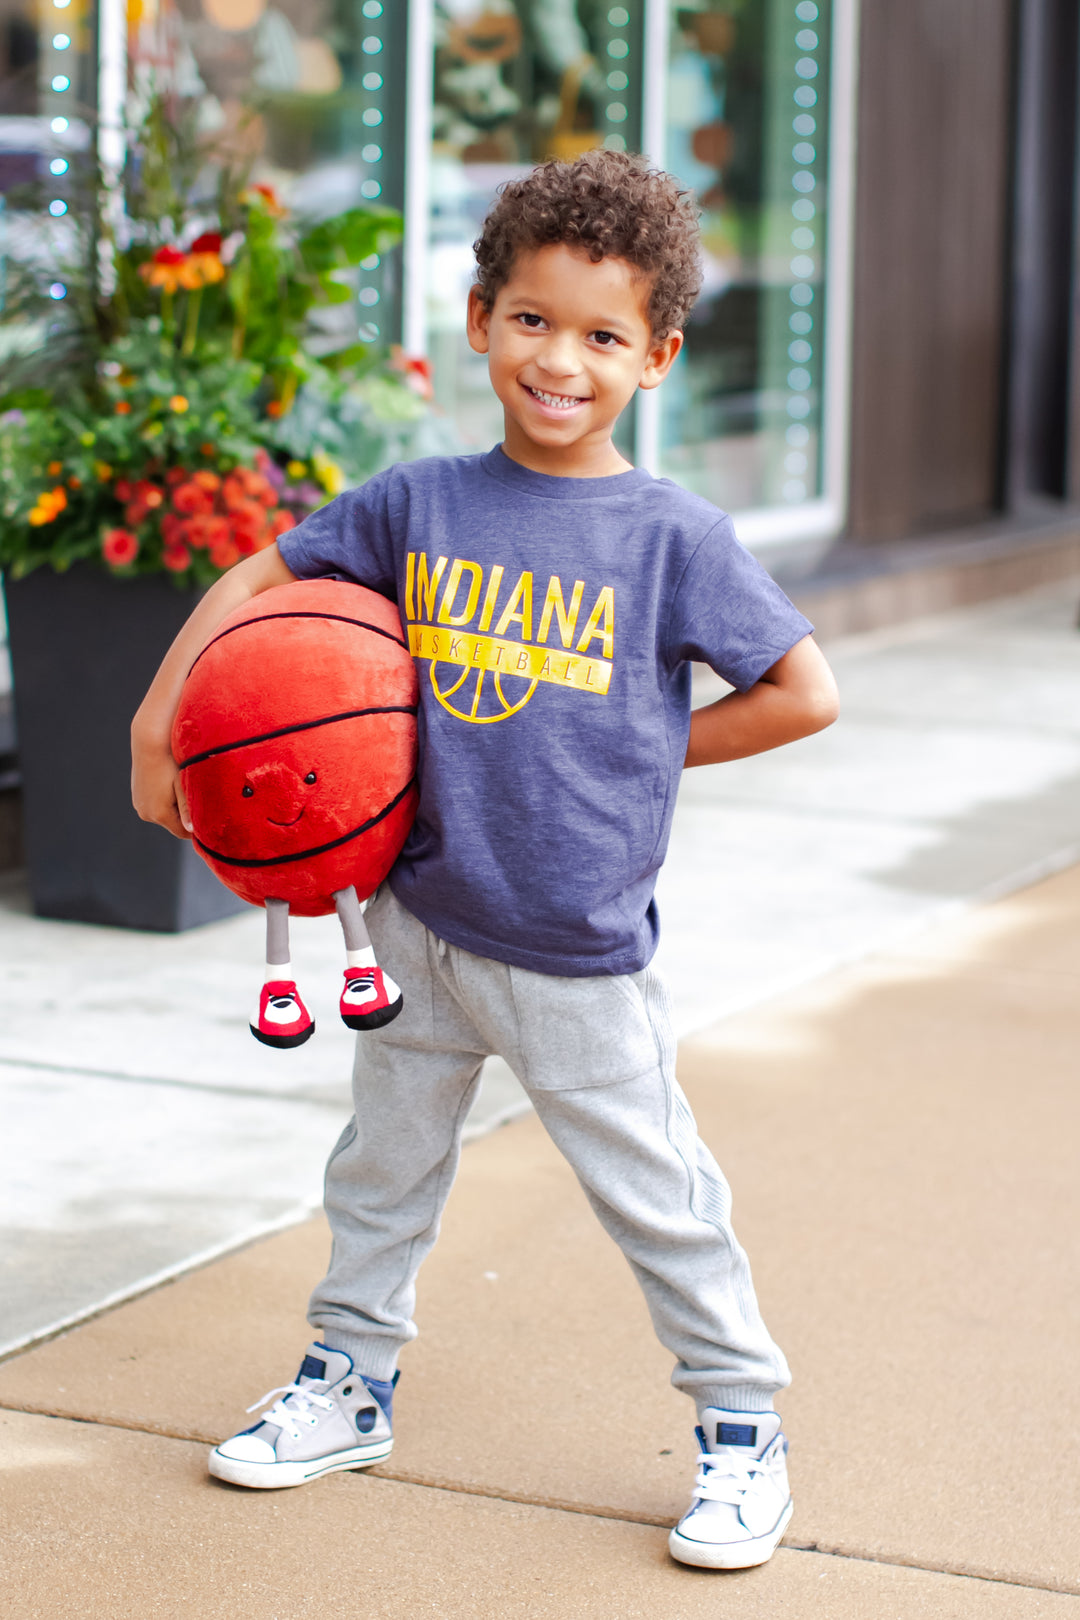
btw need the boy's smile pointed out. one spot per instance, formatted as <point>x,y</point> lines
<point>568,343</point>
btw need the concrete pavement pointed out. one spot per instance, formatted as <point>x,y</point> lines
<point>900,1136</point>
<point>144,1130</point>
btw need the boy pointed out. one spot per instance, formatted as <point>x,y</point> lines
<point>552,596</point>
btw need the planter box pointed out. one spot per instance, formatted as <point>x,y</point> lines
<point>84,648</point>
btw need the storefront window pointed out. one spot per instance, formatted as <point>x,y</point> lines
<point>747,120</point>
<point>514,83</point>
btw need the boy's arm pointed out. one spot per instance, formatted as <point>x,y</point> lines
<point>155,782</point>
<point>793,699</point>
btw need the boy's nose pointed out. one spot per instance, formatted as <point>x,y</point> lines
<point>558,357</point>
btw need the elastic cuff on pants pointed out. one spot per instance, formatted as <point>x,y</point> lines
<point>372,1354</point>
<point>735,1398</point>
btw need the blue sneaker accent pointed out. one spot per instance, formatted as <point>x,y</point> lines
<point>311,1367</point>
<point>383,1391</point>
<point>736,1434</point>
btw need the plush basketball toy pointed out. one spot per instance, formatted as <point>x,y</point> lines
<point>296,742</point>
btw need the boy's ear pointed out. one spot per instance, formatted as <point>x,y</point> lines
<point>660,360</point>
<point>477,323</point>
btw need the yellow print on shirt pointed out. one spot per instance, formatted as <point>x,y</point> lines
<point>482,627</point>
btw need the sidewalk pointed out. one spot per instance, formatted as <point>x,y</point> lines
<point>145,1131</point>
<point>900,1136</point>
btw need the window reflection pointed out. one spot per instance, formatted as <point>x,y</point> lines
<point>746,129</point>
<point>516,81</point>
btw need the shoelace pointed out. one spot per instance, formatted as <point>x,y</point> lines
<point>724,1476</point>
<point>284,1415</point>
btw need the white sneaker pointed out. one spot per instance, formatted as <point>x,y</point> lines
<point>330,1419</point>
<point>742,1504</point>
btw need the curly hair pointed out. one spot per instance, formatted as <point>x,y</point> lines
<point>608,204</point>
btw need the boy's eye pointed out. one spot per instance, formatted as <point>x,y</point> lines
<point>531,320</point>
<point>606,340</point>
<point>310,778</point>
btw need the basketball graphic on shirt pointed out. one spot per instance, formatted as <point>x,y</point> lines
<point>481,696</point>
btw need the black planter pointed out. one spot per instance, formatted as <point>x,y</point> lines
<point>84,648</point>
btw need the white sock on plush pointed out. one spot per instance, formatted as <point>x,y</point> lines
<point>361,959</point>
<point>277,970</point>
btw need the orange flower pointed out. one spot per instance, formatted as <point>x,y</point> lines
<point>123,408</point>
<point>178,403</point>
<point>170,270</point>
<point>208,449</point>
<point>262,196</point>
<point>48,506</point>
<point>74,483</point>
<point>54,469</point>
<point>206,480</point>
<point>119,547</point>
<point>102,471</point>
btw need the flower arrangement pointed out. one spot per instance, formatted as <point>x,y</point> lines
<point>209,387</point>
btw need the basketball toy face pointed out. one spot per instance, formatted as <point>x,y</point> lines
<point>296,740</point>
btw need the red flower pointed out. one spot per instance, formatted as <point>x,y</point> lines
<point>119,547</point>
<point>123,408</point>
<point>174,530</point>
<point>207,530</point>
<point>281,521</point>
<point>136,512</point>
<point>124,489</point>
<point>169,255</point>
<point>176,475</point>
<point>177,558</point>
<point>206,480</point>
<point>224,554</point>
<point>208,242</point>
<point>190,499</point>
<point>149,494</point>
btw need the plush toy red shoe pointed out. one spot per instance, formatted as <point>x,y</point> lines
<point>281,1019</point>
<point>370,998</point>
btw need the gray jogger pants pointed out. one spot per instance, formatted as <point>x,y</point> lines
<point>596,1057</point>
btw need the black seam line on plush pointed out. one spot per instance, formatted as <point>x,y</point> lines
<point>320,849</point>
<point>287,731</point>
<point>341,618</point>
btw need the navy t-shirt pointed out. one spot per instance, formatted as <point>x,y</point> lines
<point>552,621</point>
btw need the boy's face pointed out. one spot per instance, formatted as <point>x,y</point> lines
<point>568,343</point>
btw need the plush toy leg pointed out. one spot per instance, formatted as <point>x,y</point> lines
<point>370,997</point>
<point>281,1018</point>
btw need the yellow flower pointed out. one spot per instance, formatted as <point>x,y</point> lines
<point>296,469</point>
<point>178,403</point>
<point>328,473</point>
<point>87,439</point>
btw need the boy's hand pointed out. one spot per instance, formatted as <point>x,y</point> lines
<point>793,699</point>
<point>156,789</point>
<point>155,782</point>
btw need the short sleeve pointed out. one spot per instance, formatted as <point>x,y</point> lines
<point>728,613</point>
<point>350,537</point>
